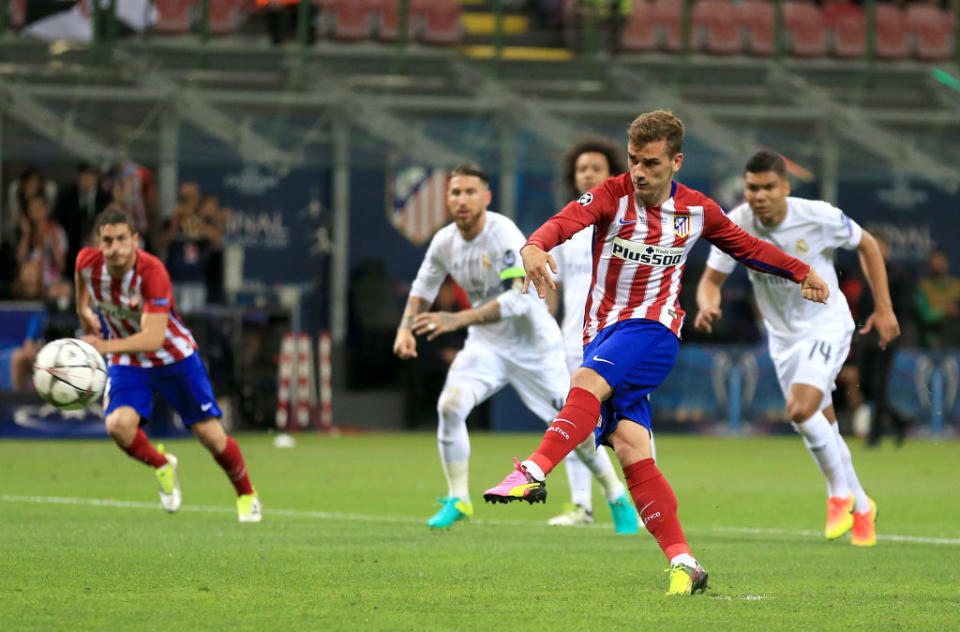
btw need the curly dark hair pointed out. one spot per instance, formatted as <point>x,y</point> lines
<point>590,144</point>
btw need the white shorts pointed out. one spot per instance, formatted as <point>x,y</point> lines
<point>541,380</point>
<point>813,361</point>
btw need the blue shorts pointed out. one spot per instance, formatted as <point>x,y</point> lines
<point>184,384</point>
<point>634,356</point>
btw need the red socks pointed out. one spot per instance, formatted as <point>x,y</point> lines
<point>141,450</point>
<point>232,463</point>
<point>572,425</point>
<point>657,505</point>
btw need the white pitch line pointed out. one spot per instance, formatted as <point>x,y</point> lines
<point>353,517</point>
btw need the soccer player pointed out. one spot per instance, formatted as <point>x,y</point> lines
<point>511,337</point>
<point>644,223</point>
<point>149,350</point>
<point>585,165</point>
<point>808,343</point>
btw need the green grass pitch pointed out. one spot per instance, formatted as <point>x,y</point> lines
<point>84,544</point>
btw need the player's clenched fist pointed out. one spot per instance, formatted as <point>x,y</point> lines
<point>405,345</point>
<point>814,288</point>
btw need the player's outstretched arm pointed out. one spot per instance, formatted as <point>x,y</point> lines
<point>404,344</point>
<point>814,288</point>
<point>538,265</point>
<point>435,323</point>
<point>875,270</point>
<point>708,299</point>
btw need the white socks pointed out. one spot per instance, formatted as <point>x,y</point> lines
<point>452,438</point>
<point>861,502</point>
<point>581,481</point>
<point>597,461</point>
<point>457,474</point>
<point>820,440</point>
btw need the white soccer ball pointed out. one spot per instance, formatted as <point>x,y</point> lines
<point>69,374</point>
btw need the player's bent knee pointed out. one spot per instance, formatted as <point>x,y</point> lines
<point>454,404</point>
<point>800,411</point>
<point>121,422</point>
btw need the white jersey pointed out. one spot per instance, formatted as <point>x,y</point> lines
<point>488,268</point>
<point>574,259</point>
<point>810,231</point>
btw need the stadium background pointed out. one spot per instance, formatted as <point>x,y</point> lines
<point>325,146</point>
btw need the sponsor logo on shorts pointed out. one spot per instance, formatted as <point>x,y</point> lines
<point>206,407</point>
<point>647,254</point>
<point>599,359</point>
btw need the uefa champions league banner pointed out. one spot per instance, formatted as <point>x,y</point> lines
<point>281,220</point>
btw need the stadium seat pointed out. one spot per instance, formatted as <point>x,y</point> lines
<point>639,35</point>
<point>440,21</point>
<point>893,41</point>
<point>715,27</point>
<point>18,13</point>
<point>346,20</point>
<point>932,29</point>
<point>224,16</point>
<point>848,28</point>
<point>386,16</point>
<point>667,18</point>
<point>173,16</point>
<point>803,22</point>
<point>756,18</point>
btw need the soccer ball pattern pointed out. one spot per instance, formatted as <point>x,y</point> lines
<point>69,374</point>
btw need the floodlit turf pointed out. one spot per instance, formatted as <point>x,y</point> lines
<point>344,544</point>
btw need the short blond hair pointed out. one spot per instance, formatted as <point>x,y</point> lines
<point>650,127</point>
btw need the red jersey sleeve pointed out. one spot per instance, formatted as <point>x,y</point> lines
<point>596,207</point>
<point>156,289</point>
<point>747,249</point>
<point>86,258</point>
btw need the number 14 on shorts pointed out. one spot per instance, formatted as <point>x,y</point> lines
<point>821,347</point>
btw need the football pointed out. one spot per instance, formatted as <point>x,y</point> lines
<point>69,374</point>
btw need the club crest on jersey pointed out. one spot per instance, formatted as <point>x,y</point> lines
<point>585,199</point>
<point>134,301</point>
<point>485,261</point>
<point>802,246</point>
<point>681,226</point>
<point>648,254</point>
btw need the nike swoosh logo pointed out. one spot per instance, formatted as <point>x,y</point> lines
<point>599,359</point>
<point>633,221</point>
<point>645,507</point>
<point>206,407</point>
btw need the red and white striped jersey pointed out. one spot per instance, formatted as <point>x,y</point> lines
<point>639,253</point>
<point>145,288</point>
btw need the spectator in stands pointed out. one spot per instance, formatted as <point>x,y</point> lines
<point>375,307</point>
<point>132,187</point>
<point>282,16</point>
<point>16,363</point>
<point>77,207</point>
<point>873,363</point>
<point>938,304</point>
<point>606,19</point>
<point>195,230</point>
<point>28,185</point>
<point>42,253</point>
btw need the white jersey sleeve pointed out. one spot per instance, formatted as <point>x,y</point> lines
<point>433,269</point>
<point>839,231</point>
<point>718,259</point>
